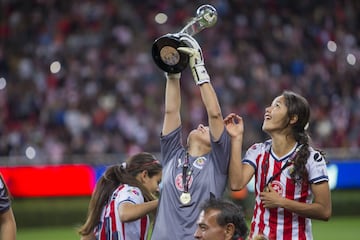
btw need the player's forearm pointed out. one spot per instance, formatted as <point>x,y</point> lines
<point>235,166</point>
<point>172,96</point>
<point>210,100</point>
<point>213,110</point>
<point>130,212</point>
<point>8,231</point>
<point>8,226</point>
<point>308,210</point>
<point>172,106</point>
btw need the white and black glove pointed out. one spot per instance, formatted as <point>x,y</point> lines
<point>196,60</point>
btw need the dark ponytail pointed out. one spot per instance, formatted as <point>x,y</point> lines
<point>112,178</point>
<point>298,106</point>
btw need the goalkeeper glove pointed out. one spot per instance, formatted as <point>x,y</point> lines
<point>196,60</point>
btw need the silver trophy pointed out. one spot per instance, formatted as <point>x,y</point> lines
<point>164,49</point>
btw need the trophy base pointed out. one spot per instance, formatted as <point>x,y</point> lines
<point>166,55</point>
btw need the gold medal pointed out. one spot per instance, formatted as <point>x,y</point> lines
<point>185,198</point>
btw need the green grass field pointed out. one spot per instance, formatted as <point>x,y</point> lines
<point>50,213</point>
<point>337,228</point>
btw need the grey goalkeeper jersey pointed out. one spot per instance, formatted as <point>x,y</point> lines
<point>209,175</point>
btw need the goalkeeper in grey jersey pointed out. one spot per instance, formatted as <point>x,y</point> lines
<point>197,169</point>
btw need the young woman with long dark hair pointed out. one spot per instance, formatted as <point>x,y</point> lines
<point>122,200</point>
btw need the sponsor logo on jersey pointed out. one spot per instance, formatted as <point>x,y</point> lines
<point>179,163</point>
<point>318,157</point>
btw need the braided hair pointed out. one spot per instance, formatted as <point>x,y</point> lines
<point>299,106</point>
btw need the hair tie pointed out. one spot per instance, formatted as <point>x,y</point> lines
<point>123,165</point>
<point>155,161</point>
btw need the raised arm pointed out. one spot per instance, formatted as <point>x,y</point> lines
<point>172,118</point>
<point>213,110</point>
<point>202,79</point>
<point>239,174</point>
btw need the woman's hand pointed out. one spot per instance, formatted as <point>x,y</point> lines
<point>234,125</point>
<point>270,198</point>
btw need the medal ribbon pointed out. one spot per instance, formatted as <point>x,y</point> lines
<point>289,161</point>
<point>186,174</point>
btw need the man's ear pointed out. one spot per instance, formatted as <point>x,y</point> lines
<point>229,231</point>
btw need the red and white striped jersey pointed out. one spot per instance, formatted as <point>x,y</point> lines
<point>278,223</point>
<point>111,228</point>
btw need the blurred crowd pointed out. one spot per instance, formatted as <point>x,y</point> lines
<point>107,97</point>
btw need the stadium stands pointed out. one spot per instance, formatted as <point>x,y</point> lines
<point>107,96</point>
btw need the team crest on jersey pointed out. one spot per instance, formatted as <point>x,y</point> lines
<point>278,187</point>
<point>199,162</point>
<point>179,182</point>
